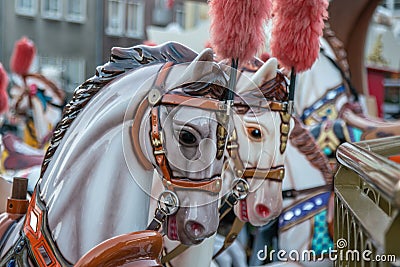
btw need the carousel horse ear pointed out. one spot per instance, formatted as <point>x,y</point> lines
<point>265,73</point>
<point>196,71</point>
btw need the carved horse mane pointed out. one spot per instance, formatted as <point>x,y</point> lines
<point>121,61</point>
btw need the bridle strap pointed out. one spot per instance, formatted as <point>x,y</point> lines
<point>231,236</point>
<point>276,174</point>
<point>213,186</point>
<point>271,105</point>
<point>293,193</point>
<point>157,144</point>
<point>202,103</point>
<point>171,182</point>
<point>135,128</point>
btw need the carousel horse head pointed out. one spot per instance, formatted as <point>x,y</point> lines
<point>36,102</point>
<point>98,171</point>
<point>262,127</point>
<point>196,121</point>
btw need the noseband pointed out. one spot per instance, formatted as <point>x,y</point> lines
<point>275,174</point>
<point>212,185</point>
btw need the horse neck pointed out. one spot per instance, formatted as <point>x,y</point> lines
<point>94,177</point>
<point>300,173</point>
<point>314,84</point>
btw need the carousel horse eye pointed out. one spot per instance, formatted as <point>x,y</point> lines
<point>187,138</point>
<point>254,133</point>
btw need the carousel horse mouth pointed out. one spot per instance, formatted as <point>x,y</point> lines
<point>263,211</point>
<point>193,233</point>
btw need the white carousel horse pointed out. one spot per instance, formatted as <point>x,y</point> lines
<point>97,174</point>
<point>36,103</point>
<point>257,151</point>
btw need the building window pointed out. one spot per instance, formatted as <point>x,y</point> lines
<point>397,5</point>
<point>160,4</point>
<point>52,9</point>
<point>125,18</point>
<point>26,7</point>
<point>116,17</point>
<point>76,10</point>
<point>135,19</point>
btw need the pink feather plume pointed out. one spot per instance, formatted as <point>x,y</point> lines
<point>237,27</point>
<point>22,56</point>
<point>3,90</point>
<point>297,26</point>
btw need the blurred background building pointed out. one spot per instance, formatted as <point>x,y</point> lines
<point>75,36</point>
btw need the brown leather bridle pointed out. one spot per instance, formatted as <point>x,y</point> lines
<point>275,174</point>
<point>212,185</point>
<point>158,98</point>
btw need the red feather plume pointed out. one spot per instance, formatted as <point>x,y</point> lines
<point>297,26</point>
<point>3,90</point>
<point>170,4</point>
<point>149,43</point>
<point>23,55</point>
<point>237,27</point>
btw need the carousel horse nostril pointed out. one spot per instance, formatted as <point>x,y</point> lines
<point>262,210</point>
<point>194,229</point>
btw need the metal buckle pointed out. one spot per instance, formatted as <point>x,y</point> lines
<point>168,202</point>
<point>154,96</point>
<point>157,141</point>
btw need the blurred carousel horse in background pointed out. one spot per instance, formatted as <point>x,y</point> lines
<point>330,105</point>
<point>35,108</point>
<point>36,102</point>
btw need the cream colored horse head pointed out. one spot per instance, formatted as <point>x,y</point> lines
<point>262,126</point>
